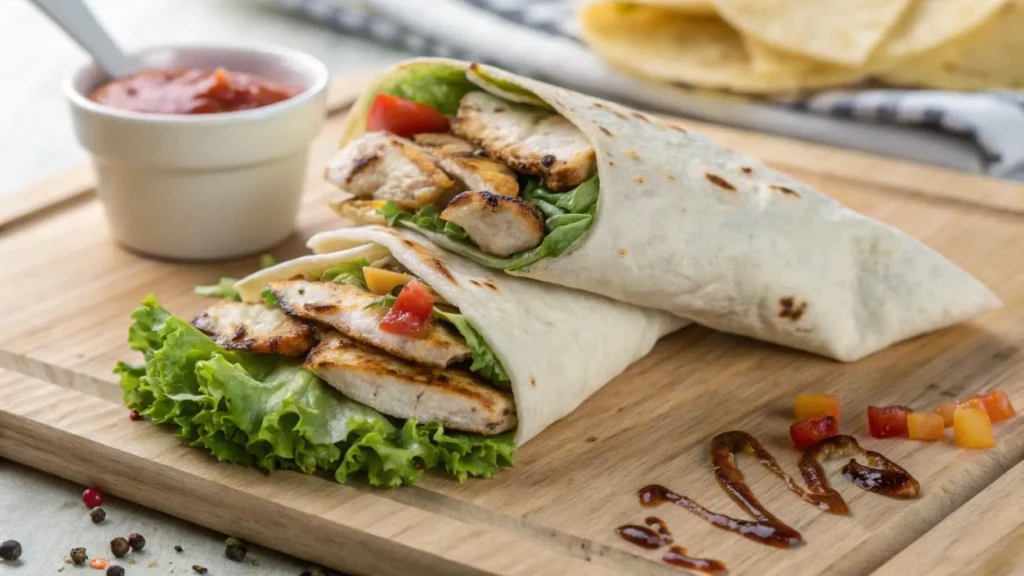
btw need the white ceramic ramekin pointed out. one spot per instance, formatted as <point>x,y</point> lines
<point>208,186</point>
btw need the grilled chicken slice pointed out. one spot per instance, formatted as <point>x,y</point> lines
<point>344,308</point>
<point>499,225</point>
<point>467,163</point>
<point>404,390</point>
<point>527,139</point>
<point>384,166</point>
<point>255,328</point>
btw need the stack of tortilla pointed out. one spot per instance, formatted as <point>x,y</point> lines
<point>788,46</point>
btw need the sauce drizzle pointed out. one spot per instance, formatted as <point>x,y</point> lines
<point>882,476</point>
<point>657,535</point>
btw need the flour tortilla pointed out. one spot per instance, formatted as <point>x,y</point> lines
<point>988,58</point>
<point>701,51</point>
<point>558,346</point>
<point>842,32</point>
<point>718,237</point>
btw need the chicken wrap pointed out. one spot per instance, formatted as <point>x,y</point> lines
<point>560,187</point>
<point>387,356</point>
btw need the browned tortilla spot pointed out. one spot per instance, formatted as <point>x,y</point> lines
<point>621,115</point>
<point>631,154</point>
<point>719,181</point>
<point>598,105</point>
<point>441,269</point>
<point>788,308</point>
<point>623,252</point>
<point>640,116</point>
<point>677,128</point>
<point>639,180</point>
<point>476,283</point>
<point>784,190</point>
<point>491,285</point>
<point>747,170</point>
<point>670,176</point>
<point>533,381</point>
<point>610,163</point>
<point>605,131</point>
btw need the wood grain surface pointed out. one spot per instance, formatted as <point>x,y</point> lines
<point>68,291</point>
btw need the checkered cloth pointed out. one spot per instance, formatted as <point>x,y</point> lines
<point>975,132</point>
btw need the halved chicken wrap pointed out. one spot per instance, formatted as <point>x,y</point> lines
<point>541,182</point>
<point>389,353</point>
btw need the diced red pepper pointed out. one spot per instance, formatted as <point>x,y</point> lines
<point>888,421</point>
<point>925,426</point>
<point>410,314</point>
<point>403,117</point>
<point>807,405</point>
<point>808,432</point>
<point>976,401</point>
<point>998,406</point>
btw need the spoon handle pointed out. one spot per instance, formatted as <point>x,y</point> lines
<point>79,23</point>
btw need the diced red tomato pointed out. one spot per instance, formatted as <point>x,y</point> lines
<point>888,421</point>
<point>925,426</point>
<point>807,405</point>
<point>972,428</point>
<point>810,431</point>
<point>946,409</point>
<point>998,406</point>
<point>403,117</point>
<point>410,314</point>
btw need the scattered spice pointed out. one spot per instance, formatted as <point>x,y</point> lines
<point>115,571</point>
<point>119,547</point>
<point>255,561</point>
<point>10,550</point>
<point>98,515</point>
<point>152,564</point>
<point>92,497</point>
<point>134,415</point>
<point>78,556</point>
<point>179,549</point>
<point>99,563</point>
<point>131,562</point>
<point>136,541</point>
<point>314,571</point>
<point>199,569</point>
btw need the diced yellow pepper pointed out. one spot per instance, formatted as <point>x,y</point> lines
<point>381,281</point>
<point>972,428</point>
<point>925,426</point>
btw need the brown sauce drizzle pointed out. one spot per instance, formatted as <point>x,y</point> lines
<point>882,476</point>
<point>657,535</point>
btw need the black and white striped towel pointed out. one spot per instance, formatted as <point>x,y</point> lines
<point>975,132</point>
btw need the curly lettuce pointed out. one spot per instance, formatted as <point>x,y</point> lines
<point>267,411</point>
<point>568,216</point>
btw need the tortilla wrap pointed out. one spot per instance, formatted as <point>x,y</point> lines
<point>557,345</point>
<point>716,236</point>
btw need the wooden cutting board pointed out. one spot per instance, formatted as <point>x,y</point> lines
<point>68,291</point>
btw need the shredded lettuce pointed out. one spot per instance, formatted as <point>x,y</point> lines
<point>269,298</point>
<point>569,216</point>
<point>485,363</point>
<point>267,411</point>
<point>440,87</point>
<point>350,272</point>
<point>223,289</point>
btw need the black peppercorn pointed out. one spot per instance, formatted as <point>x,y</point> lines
<point>235,552</point>
<point>115,571</point>
<point>98,515</point>
<point>78,556</point>
<point>10,550</point>
<point>119,547</point>
<point>136,541</point>
<point>179,549</point>
<point>199,569</point>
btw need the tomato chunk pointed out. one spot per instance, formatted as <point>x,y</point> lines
<point>972,428</point>
<point>808,405</point>
<point>946,409</point>
<point>403,117</point>
<point>888,421</point>
<point>410,314</point>
<point>998,406</point>
<point>808,432</point>
<point>925,426</point>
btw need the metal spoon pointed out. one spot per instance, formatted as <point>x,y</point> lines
<point>74,17</point>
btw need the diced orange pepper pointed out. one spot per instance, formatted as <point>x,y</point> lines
<point>946,409</point>
<point>998,406</point>
<point>972,428</point>
<point>925,426</point>
<point>810,405</point>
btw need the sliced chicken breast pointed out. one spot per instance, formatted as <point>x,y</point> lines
<point>499,225</point>
<point>467,163</point>
<point>404,390</point>
<point>344,308</point>
<point>527,139</point>
<point>255,328</point>
<point>384,166</point>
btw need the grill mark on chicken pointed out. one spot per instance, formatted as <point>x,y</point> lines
<point>255,328</point>
<point>499,225</point>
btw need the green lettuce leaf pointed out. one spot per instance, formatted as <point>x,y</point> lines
<point>485,363</point>
<point>224,289</point>
<point>348,273</point>
<point>569,216</point>
<point>440,87</point>
<point>267,411</point>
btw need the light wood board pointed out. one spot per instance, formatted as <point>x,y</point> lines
<point>68,290</point>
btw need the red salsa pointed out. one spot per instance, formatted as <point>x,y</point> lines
<point>191,91</point>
